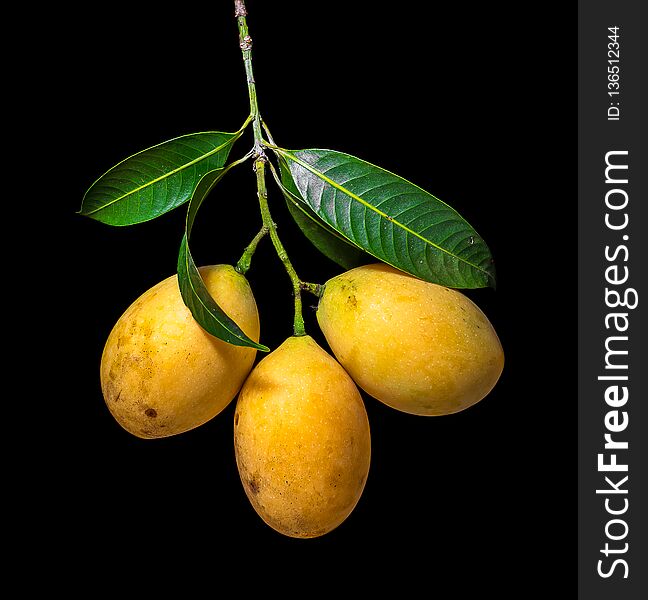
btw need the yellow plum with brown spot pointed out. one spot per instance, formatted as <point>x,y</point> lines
<point>302,441</point>
<point>418,347</point>
<point>161,373</point>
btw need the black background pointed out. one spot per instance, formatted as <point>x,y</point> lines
<point>472,103</point>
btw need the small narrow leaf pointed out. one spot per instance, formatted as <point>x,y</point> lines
<point>205,310</point>
<point>156,180</point>
<point>328,241</point>
<point>394,220</point>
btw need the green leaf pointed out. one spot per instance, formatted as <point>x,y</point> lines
<point>205,310</point>
<point>156,180</point>
<point>394,220</point>
<point>328,241</point>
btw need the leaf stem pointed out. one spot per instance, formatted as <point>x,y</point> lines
<point>245,43</point>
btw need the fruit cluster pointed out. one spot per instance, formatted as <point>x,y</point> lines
<point>301,432</point>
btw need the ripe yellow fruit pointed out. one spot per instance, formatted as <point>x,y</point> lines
<point>302,441</point>
<point>418,347</point>
<point>161,373</point>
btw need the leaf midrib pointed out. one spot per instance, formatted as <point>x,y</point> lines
<point>377,210</point>
<point>293,199</point>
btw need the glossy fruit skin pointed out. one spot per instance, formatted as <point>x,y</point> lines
<point>302,440</point>
<point>419,347</point>
<point>161,373</point>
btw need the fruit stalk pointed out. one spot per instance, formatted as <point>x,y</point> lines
<point>243,265</point>
<point>245,43</point>
<point>259,167</point>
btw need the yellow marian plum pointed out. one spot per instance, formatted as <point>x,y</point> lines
<point>302,442</point>
<point>418,347</point>
<point>161,373</point>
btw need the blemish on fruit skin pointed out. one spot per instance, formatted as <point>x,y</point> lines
<point>253,484</point>
<point>151,413</point>
<point>352,301</point>
<point>236,420</point>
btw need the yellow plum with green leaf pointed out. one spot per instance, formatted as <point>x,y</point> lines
<point>419,347</point>
<point>161,373</point>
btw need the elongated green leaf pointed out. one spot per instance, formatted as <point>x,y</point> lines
<point>391,218</point>
<point>328,241</point>
<point>156,180</point>
<point>205,310</point>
